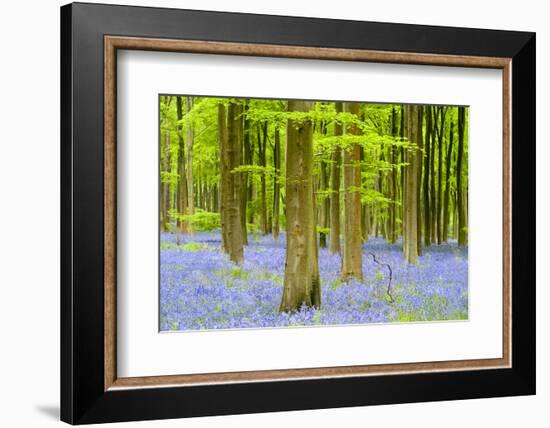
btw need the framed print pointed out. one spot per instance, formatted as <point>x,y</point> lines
<point>265,213</point>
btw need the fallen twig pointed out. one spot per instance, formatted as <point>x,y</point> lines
<point>388,290</point>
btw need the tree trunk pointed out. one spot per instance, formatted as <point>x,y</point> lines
<point>403,171</point>
<point>245,178</point>
<point>352,255</point>
<point>419,181</point>
<point>433,195</point>
<point>182,174</point>
<point>447,186</point>
<point>462,232</point>
<point>215,198</point>
<point>411,182</point>
<point>229,130</point>
<point>276,184</point>
<point>393,180</point>
<point>190,188</point>
<point>325,206</point>
<point>335,170</point>
<point>426,183</point>
<point>249,160</point>
<point>381,174</point>
<point>262,145</point>
<point>441,130</point>
<point>165,192</point>
<point>301,282</point>
<point>200,195</point>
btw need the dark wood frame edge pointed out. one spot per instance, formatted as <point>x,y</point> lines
<point>112,43</point>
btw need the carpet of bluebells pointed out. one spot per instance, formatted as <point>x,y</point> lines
<point>201,289</point>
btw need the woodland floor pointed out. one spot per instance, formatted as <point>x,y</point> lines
<point>201,289</point>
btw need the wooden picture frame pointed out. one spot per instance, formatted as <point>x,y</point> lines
<point>90,389</point>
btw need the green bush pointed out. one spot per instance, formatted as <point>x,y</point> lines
<point>201,221</point>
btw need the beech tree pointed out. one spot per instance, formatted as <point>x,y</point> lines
<point>189,158</point>
<point>447,184</point>
<point>229,129</point>
<point>352,256</point>
<point>262,147</point>
<point>182,173</point>
<point>324,200</point>
<point>426,181</point>
<point>335,173</point>
<point>461,202</point>
<point>276,184</point>
<point>246,188</point>
<point>301,281</point>
<point>410,237</point>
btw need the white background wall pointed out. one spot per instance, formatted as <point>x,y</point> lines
<point>29,213</point>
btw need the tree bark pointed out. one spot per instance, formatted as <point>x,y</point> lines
<point>262,146</point>
<point>419,181</point>
<point>335,171</point>
<point>433,194</point>
<point>229,129</point>
<point>352,254</point>
<point>215,198</point>
<point>393,180</point>
<point>446,218</point>
<point>325,205</point>
<point>411,182</point>
<point>245,176</point>
<point>462,232</point>
<point>403,169</point>
<point>276,184</point>
<point>426,183</point>
<point>190,188</point>
<point>301,282</point>
<point>181,199</point>
<point>440,132</point>
<point>165,188</point>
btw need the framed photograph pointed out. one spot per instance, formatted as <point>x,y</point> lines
<point>266,213</point>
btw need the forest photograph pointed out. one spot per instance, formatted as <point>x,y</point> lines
<point>295,213</point>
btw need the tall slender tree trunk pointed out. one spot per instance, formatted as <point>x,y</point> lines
<point>411,182</point>
<point>182,174</point>
<point>426,183</point>
<point>373,208</point>
<point>262,146</point>
<point>276,183</point>
<point>324,209</point>
<point>229,130</point>
<point>446,197</point>
<point>381,177</point>
<point>433,195</point>
<point>323,189</point>
<point>335,172</point>
<point>249,160</point>
<point>215,198</point>
<point>200,196</point>
<point>462,232</point>
<point>245,176</point>
<point>352,255</point>
<point>190,187</point>
<point>440,141</point>
<point>366,226</point>
<point>393,180</point>
<point>419,181</point>
<point>165,188</point>
<point>403,172</point>
<point>301,282</point>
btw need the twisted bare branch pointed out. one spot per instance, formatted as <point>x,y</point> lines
<point>388,290</point>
